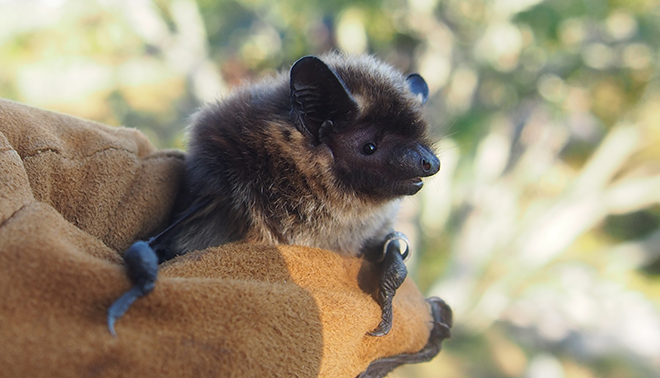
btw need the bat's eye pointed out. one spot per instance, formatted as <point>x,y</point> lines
<point>369,148</point>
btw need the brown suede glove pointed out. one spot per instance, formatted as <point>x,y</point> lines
<point>75,194</point>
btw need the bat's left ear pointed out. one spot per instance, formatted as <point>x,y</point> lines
<point>320,98</point>
<point>418,87</point>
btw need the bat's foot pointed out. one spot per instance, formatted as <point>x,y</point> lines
<point>142,268</point>
<point>442,322</point>
<point>394,273</point>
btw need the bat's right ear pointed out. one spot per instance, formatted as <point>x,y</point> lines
<point>319,98</point>
<point>418,87</point>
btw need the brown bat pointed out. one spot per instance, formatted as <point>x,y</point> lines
<point>320,157</point>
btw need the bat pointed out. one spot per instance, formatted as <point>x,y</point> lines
<point>319,156</point>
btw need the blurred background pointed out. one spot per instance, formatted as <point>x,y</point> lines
<point>542,229</point>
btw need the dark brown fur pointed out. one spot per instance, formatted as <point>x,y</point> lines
<point>271,174</point>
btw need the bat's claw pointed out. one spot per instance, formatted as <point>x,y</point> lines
<point>121,305</point>
<point>442,323</point>
<point>142,268</point>
<point>383,329</point>
<point>398,241</point>
<point>394,273</point>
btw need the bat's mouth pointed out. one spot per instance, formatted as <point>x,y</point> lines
<point>410,186</point>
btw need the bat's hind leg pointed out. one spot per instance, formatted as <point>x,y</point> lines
<point>395,250</point>
<point>142,268</point>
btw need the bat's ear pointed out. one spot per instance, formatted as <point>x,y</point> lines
<point>319,98</point>
<point>418,87</point>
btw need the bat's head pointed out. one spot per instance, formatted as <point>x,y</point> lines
<point>369,116</point>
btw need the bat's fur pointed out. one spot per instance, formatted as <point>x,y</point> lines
<point>273,172</point>
<point>320,157</point>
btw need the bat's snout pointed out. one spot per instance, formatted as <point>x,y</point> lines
<point>415,162</point>
<point>430,164</point>
<point>410,165</point>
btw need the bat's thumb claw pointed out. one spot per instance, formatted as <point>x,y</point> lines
<point>111,325</point>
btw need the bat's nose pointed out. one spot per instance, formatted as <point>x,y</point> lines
<point>430,163</point>
<point>417,161</point>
